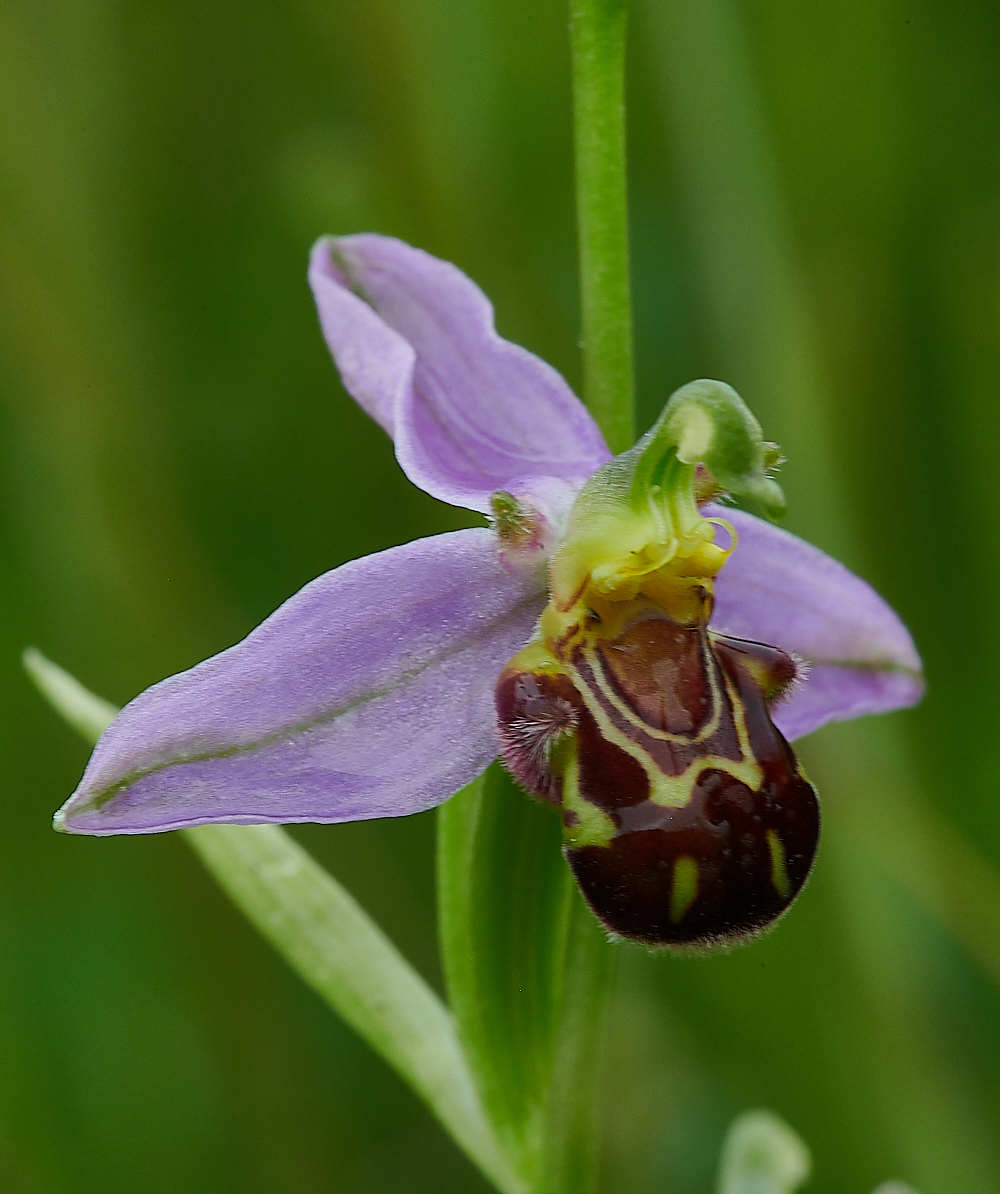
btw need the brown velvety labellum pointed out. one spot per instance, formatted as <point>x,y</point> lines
<point>727,863</point>
<point>705,874</point>
<point>710,827</point>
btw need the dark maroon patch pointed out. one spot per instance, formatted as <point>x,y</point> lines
<point>657,667</point>
<point>724,829</point>
<point>608,777</point>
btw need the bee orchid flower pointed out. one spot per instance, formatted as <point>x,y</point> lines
<point>603,600</point>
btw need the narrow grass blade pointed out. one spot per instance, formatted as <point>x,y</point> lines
<point>503,897</point>
<point>330,941</point>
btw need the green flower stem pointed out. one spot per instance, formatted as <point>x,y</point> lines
<point>571,1132</point>
<point>529,973</point>
<point>598,45</point>
<point>567,1160</point>
<point>330,941</point>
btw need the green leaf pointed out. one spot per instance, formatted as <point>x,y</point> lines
<point>504,894</point>
<point>528,971</point>
<point>89,715</point>
<point>338,949</point>
<point>762,1155</point>
<point>330,941</point>
<point>571,1132</point>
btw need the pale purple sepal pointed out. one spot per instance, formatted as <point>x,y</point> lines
<point>835,693</point>
<point>777,589</point>
<point>367,694</point>
<point>470,413</point>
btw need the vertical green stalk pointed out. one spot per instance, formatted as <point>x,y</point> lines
<point>529,969</point>
<point>569,1153</point>
<point>598,44</point>
<point>571,1132</point>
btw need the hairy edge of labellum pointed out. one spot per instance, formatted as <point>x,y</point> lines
<point>708,946</point>
<point>535,712</point>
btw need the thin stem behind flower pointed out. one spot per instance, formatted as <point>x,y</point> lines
<point>598,41</point>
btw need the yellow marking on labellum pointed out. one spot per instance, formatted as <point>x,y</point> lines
<point>593,826</point>
<point>779,875</point>
<point>684,889</point>
<point>675,791</point>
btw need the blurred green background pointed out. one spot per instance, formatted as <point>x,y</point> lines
<point>816,219</point>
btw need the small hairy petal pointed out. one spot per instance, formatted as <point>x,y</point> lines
<point>367,694</point>
<point>470,413</point>
<point>779,590</point>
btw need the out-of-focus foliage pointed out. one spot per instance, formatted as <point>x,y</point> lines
<point>816,220</point>
<point>762,1155</point>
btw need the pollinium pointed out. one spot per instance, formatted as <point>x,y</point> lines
<point>688,822</point>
